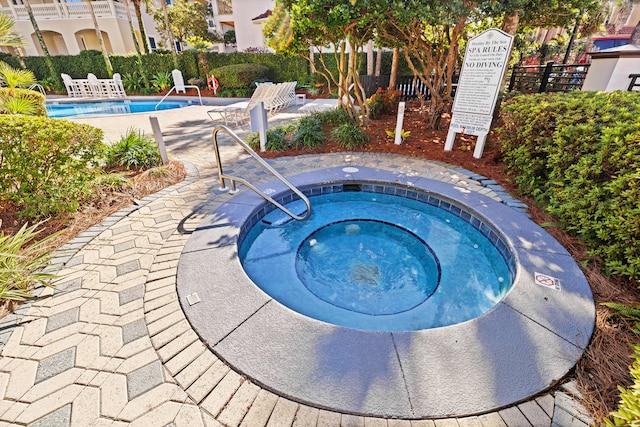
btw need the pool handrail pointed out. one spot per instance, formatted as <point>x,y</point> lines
<point>233,179</point>
<point>179,86</point>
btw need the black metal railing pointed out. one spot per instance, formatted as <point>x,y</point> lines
<point>410,86</point>
<point>547,78</point>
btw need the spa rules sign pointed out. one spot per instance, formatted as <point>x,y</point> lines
<point>483,68</point>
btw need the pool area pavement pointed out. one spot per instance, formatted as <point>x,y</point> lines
<point>111,345</point>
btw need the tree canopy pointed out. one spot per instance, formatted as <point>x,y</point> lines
<point>428,32</point>
<point>186,19</point>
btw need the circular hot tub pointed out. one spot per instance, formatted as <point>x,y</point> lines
<point>537,327</point>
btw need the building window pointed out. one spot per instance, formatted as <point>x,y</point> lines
<point>152,43</point>
<point>178,47</point>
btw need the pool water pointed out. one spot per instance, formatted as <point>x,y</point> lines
<point>106,108</point>
<point>376,262</point>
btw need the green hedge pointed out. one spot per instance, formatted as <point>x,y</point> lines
<point>578,154</point>
<point>240,76</point>
<point>46,163</point>
<point>91,61</point>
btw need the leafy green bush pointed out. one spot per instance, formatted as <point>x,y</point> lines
<point>240,76</point>
<point>161,81</point>
<point>133,151</point>
<point>350,136</point>
<point>133,82</point>
<point>308,133</point>
<point>383,102</point>
<point>333,117</point>
<point>628,412</point>
<point>22,263</point>
<point>578,154</point>
<point>278,139</point>
<point>22,101</point>
<point>46,163</point>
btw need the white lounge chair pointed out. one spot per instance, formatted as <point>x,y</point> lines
<point>73,87</point>
<point>179,86</point>
<point>100,88</point>
<point>238,112</point>
<point>116,86</point>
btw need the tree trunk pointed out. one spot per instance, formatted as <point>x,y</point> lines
<point>43,45</point>
<point>370,58</point>
<point>174,53</point>
<point>511,21</point>
<point>105,55</point>
<point>394,69</point>
<point>143,71</point>
<point>572,40</point>
<point>378,62</point>
<point>634,39</point>
<point>143,33</point>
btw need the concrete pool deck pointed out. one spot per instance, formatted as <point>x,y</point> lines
<point>111,345</point>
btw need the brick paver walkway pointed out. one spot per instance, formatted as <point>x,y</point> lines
<point>110,346</point>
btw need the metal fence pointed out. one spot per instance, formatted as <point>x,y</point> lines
<point>410,86</point>
<point>547,78</point>
<point>551,77</point>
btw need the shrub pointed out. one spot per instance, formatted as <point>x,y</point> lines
<point>46,163</point>
<point>22,101</point>
<point>133,82</point>
<point>350,136</point>
<point>308,133</point>
<point>133,151</point>
<point>628,412</point>
<point>383,102</point>
<point>240,76</point>
<point>22,263</point>
<point>578,154</point>
<point>276,139</point>
<point>162,81</point>
<point>333,117</point>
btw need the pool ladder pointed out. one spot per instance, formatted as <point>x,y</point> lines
<point>233,179</point>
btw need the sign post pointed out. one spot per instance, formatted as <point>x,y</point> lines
<point>483,68</point>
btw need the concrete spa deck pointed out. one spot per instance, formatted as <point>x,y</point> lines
<point>521,347</point>
<point>110,345</point>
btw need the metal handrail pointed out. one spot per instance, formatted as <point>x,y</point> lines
<point>233,179</point>
<point>176,89</point>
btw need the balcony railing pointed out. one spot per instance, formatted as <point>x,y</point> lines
<point>102,9</point>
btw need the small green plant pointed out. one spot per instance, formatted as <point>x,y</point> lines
<point>134,151</point>
<point>133,82</point>
<point>350,136</point>
<point>22,263</point>
<point>404,134</point>
<point>308,133</point>
<point>383,102</point>
<point>276,139</point>
<point>628,412</point>
<point>161,81</point>
<point>333,117</point>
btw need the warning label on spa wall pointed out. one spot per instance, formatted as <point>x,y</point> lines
<point>547,281</point>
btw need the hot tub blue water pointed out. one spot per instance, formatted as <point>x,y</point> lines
<point>107,108</point>
<point>376,262</point>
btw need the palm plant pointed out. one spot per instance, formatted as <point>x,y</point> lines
<point>22,263</point>
<point>13,78</point>
<point>8,37</point>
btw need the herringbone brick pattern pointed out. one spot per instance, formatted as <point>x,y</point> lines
<point>110,346</point>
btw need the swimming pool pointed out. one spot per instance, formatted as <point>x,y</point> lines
<point>58,110</point>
